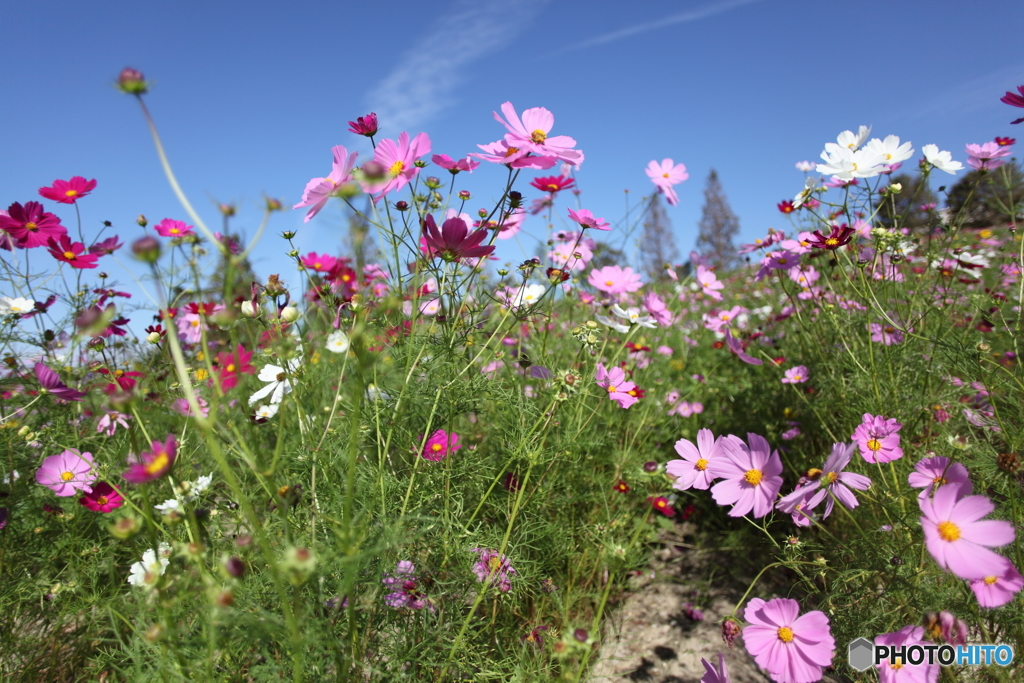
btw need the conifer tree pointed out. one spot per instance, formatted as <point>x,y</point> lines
<point>718,225</point>
<point>658,242</point>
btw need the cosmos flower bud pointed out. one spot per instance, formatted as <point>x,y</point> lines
<point>141,220</point>
<point>249,310</point>
<point>153,337</point>
<point>125,528</point>
<point>373,169</point>
<point>402,205</point>
<point>273,204</point>
<point>433,182</point>
<point>132,82</point>
<point>464,195</point>
<point>146,249</point>
<point>235,567</point>
<point>289,314</point>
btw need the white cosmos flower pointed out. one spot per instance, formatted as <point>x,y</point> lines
<point>810,185</point>
<point>19,305</point>
<point>337,342</point>
<point>169,505</point>
<point>526,296</point>
<point>846,164</point>
<point>805,166</point>
<point>633,315</point>
<point>618,327</point>
<point>853,142</point>
<point>941,160</point>
<point>267,412</point>
<point>890,150</point>
<point>278,382</point>
<point>150,568</point>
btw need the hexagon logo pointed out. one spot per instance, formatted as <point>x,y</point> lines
<point>860,654</point>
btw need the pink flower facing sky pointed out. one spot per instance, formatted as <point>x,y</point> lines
<point>72,253</point>
<point>791,647</point>
<point>532,134</point>
<point>692,470</point>
<point>877,438</point>
<point>319,190</point>
<point>397,163</point>
<point>454,166</point>
<point>752,477</point>
<point>30,226</point>
<point>68,191</point>
<point>998,588</point>
<point>904,672</point>
<point>110,420</point>
<point>797,375</point>
<point>440,445</point>
<point>103,498</point>
<point>665,175</point>
<point>931,473</point>
<point>587,220</point>
<point>615,280</point>
<point>957,536</point>
<point>614,382</point>
<point>494,568</point>
<point>67,472</point>
<point>153,464</point>
<point>169,227</point>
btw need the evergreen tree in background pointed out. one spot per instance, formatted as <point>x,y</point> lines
<point>718,225</point>
<point>988,198</point>
<point>903,210</point>
<point>658,242</point>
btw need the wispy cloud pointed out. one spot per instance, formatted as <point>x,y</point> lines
<point>968,97</point>
<point>421,84</point>
<point>682,18</point>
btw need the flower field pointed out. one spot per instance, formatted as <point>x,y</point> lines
<point>416,463</point>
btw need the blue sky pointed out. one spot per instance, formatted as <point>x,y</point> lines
<point>250,96</point>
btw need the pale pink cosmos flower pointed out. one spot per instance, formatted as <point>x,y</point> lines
<point>774,237</point>
<point>709,282</point>
<point>397,161</point>
<point>501,152</point>
<point>835,484</point>
<point>532,134</point>
<point>998,588</point>
<point>67,473</point>
<point>717,320</point>
<point>931,473</point>
<point>792,648</point>
<point>569,256</point>
<point>454,166</point>
<point>877,438</point>
<point>715,674</point>
<point>614,381</point>
<point>957,536</point>
<point>319,190</point>
<point>586,220</point>
<point>987,156</point>
<point>692,470</point>
<point>752,474</point>
<point>686,409</point>
<point>657,309</point>
<point>615,280</point>
<point>905,672</point>
<point>110,420</point>
<point>665,175</point>
<point>796,375</point>
<point>777,260</point>
<point>736,346</point>
<point>182,407</point>
<point>886,333</point>
<point>405,588</point>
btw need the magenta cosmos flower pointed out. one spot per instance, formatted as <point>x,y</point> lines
<point>150,465</point>
<point>692,470</point>
<point>1014,100</point>
<point>319,190</point>
<point>321,263</point>
<point>931,473</point>
<point>665,175</point>
<point>904,672</point>
<point>586,220</point>
<point>67,472</point>
<point>957,536</point>
<point>999,588</point>
<point>877,438</point>
<point>454,241</point>
<point>615,280</point>
<point>797,375</point>
<point>752,477</point>
<point>169,227</point>
<point>397,161</point>
<point>614,382</point>
<point>493,567</point>
<point>72,253</point>
<point>531,134</point>
<point>364,125</point>
<point>440,445</point>
<point>50,381</point>
<point>791,647</point>
<point>30,226</point>
<point>736,346</point>
<point>103,498</point>
<point>68,191</point>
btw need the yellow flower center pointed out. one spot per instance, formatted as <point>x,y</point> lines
<point>989,580</point>
<point>664,175</point>
<point>102,500</point>
<point>436,447</point>
<point>608,283</point>
<point>397,168</point>
<point>67,476</point>
<point>552,187</point>
<point>31,226</point>
<point>158,463</point>
<point>874,445</point>
<point>753,477</point>
<point>949,531</point>
<point>785,634</point>
<point>194,323</point>
<point>316,266</point>
<point>831,477</point>
<point>701,465</point>
<point>783,261</point>
<point>69,254</point>
<point>939,480</point>
<point>538,136</point>
<point>71,193</point>
<point>511,151</point>
<point>230,367</point>
<point>832,241</point>
<point>612,389</point>
<point>494,564</point>
<point>897,666</point>
<point>174,231</point>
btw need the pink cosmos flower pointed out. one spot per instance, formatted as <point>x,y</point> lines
<point>110,420</point>
<point>320,263</point>
<point>615,280</point>
<point>998,588</point>
<point>364,125</point>
<point>834,483</point>
<point>169,227</point>
<point>1014,100</point>
<point>30,226</point>
<point>885,333</point>
<point>657,309</point>
<point>752,474</point>
<point>665,175</point>
<point>67,472</point>
<point>709,283</point>
<point>905,672</point>
<point>106,247</point>
<point>987,156</point>
<point>570,256</point>
<point>777,260</point>
<point>614,381</point>
<point>72,253</point>
<point>150,465</point>
<point>406,591</point>
<point>957,536</point>
<point>501,152</point>
<point>493,568</point>
<point>791,647</point>
<point>797,375</point>
<point>553,184</point>
<point>398,161</point>
<point>774,237</point>
<point>715,674</point>
<point>319,190</point>
<point>931,473</point>
<point>182,407</point>
<point>440,445</point>
<point>103,498</point>
<point>736,346</point>
<point>692,471</point>
<point>717,321</point>
<point>453,166</point>
<point>231,366</point>
<point>68,191</point>
<point>586,220</point>
<point>453,241</point>
<point>877,438</point>
<point>50,381</point>
<point>532,134</point>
